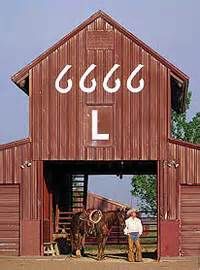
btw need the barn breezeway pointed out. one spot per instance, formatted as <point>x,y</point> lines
<point>67,188</point>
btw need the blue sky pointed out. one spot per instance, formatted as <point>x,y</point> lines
<point>27,28</point>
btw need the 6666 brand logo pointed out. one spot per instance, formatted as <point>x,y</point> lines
<point>92,88</point>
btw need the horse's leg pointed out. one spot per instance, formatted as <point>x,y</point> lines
<point>72,244</point>
<point>105,238</point>
<point>83,245</point>
<point>78,244</point>
<point>99,240</point>
<point>73,240</point>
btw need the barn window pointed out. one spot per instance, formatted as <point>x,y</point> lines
<point>178,104</point>
<point>178,93</point>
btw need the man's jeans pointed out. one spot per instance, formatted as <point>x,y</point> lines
<point>132,244</point>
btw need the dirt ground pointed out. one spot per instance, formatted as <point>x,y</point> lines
<point>111,262</point>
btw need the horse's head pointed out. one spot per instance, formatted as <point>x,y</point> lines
<point>121,215</point>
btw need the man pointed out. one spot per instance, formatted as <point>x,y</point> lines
<point>134,230</point>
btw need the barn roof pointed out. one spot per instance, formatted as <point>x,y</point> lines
<point>108,200</point>
<point>14,143</point>
<point>19,78</point>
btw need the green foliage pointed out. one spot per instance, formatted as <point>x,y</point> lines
<point>183,129</point>
<point>144,186</point>
<point>179,121</point>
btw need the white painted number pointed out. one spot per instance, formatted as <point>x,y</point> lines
<point>59,78</point>
<point>117,81</point>
<point>82,80</point>
<point>95,134</point>
<point>105,81</point>
<point>131,77</point>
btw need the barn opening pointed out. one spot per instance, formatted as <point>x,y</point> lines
<point>66,192</point>
<point>178,93</point>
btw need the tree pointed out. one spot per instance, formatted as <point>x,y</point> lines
<point>179,121</point>
<point>144,186</point>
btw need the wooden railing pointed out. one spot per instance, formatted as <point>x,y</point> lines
<point>63,221</point>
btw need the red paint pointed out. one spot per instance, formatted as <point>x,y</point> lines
<point>169,245</point>
<point>30,230</point>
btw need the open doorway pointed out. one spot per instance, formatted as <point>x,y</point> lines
<point>70,185</point>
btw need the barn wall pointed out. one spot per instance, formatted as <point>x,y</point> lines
<point>60,123</point>
<point>172,201</point>
<point>190,220</point>
<point>9,219</point>
<point>32,211</point>
<point>188,157</point>
<point>168,193</point>
<point>12,156</point>
<point>188,173</point>
<point>95,201</point>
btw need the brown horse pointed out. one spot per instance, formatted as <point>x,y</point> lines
<point>96,223</point>
<point>104,226</point>
<point>82,224</point>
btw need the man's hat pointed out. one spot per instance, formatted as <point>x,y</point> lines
<point>130,211</point>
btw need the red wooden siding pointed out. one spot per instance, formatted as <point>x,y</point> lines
<point>60,123</point>
<point>190,220</point>
<point>30,179</point>
<point>174,198</point>
<point>9,220</point>
<point>12,156</point>
<point>30,237</point>
<point>170,240</point>
<point>95,201</point>
<point>188,156</point>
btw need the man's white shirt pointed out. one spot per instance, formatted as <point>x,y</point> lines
<point>133,225</point>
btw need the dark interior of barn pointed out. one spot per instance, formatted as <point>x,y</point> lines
<point>178,94</point>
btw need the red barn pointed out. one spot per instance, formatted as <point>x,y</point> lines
<point>100,102</point>
<point>96,201</point>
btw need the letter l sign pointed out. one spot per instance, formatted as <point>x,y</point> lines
<point>95,134</point>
